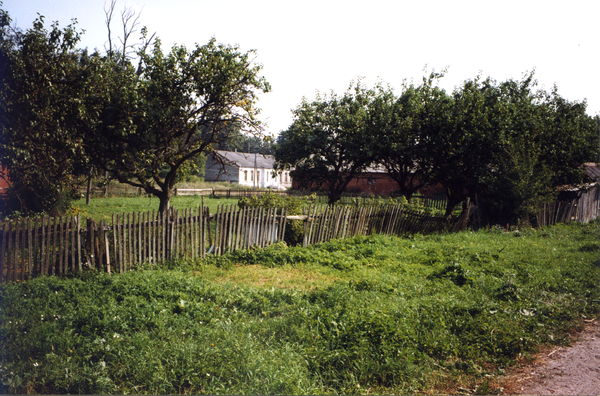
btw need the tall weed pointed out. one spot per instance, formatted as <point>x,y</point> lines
<point>399,314</point>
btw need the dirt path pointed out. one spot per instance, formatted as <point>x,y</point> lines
<point>571,370</point>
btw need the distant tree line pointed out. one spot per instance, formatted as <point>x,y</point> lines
<point>142,116</point>
<point>508,144</point>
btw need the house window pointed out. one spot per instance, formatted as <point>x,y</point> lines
<point>246,175</point>
<point>286,176</point>
<point>371,181</point>
<point>257,175</point>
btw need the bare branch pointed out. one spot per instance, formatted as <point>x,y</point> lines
<point>109,13</point>
<point>130,23</point>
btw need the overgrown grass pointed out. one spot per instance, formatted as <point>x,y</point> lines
<point>361,315</point>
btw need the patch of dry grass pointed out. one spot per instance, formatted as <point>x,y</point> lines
<point>265,277</point>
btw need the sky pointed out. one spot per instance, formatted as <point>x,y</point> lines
<point>309,46</point>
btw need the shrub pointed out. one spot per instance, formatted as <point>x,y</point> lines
<point>294,230</point>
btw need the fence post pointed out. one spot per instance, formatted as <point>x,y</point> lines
<point>106,247</point>
<point>91,242</point>
<point>3,251</point>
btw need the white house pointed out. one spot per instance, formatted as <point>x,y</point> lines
<point>254,170</point>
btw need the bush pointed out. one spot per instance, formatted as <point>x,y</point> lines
<point>294,230</point>
<point>24,201</point>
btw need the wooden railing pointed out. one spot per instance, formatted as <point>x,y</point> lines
<point>56,246</point>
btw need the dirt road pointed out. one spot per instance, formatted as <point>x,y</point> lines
<point>571,370</point>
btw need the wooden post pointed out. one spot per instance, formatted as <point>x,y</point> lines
<point>305,226</point>
<point>202,231</point>
<point>3,252</point>
<point>36,248</point>
<point>100,246</point>
<point>122,244</point>
<point>127,223</point>
<point>49,258</point>
<point>22,237</point>
<point>79,242</point>
<point>90,243</point>
<point>115,226</point>
<point>9,252</point>
<point>106,248</point>
<point>283,224</point>
<point>64,245</point>
<point>30,249</point>
<point>153,229</point>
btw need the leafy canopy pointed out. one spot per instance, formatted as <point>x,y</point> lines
<point>327,144</point>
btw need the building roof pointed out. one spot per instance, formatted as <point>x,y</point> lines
<point>592,170</point>
<point>247,160</point>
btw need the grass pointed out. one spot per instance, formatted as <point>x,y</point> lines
<point>362,315</point>
<point>286,277</point>
<point>102,209</point>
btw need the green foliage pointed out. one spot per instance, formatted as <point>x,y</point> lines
<point>328,143</point>
<point>65,112</point>
<point>173,108</point>
<point>397,314</point>
<point>294,230</point>
<point>44,82</point>
<point>397,123</point>
<point>510,144</point>
<point>245,143</point>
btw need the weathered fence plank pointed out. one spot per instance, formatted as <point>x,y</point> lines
<point>54,246</point>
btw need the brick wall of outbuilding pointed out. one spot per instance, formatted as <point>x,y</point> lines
<point>382,184</point>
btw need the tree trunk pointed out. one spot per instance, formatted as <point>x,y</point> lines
<point>334,196</point>
<point>453,200</point>
<point>165,199</point>
<point>88,191</point>
<point>106,181</point>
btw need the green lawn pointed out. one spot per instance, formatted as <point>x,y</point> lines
<point>357,316</point>
<point>102,209</point>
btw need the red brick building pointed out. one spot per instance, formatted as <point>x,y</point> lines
<point>377,181</point>
<point>3,179</point>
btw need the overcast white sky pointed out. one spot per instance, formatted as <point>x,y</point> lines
<point>309,46</point>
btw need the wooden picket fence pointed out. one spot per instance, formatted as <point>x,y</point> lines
<point>56,246</point>
<point>324,222</point>
<point>582,209</point>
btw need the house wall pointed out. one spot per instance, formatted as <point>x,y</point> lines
<point>214,172</point>
<point>252,170</point>
<point>373,183</point>
<point>382,184</point>
<point>264,178</point>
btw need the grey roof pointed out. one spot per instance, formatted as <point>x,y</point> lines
<point>592,170</point>
<point>247,160</point>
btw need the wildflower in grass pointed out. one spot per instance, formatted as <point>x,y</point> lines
<point>103,364</point>
<point>36,364</point>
